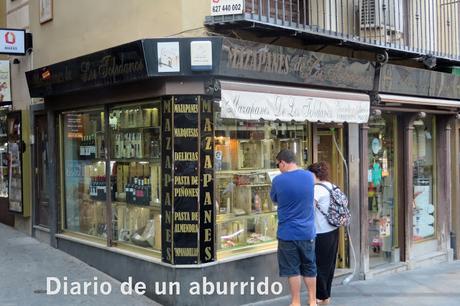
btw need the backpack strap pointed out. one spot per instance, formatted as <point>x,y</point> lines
<point>330,195</point>
<point>325,186</point>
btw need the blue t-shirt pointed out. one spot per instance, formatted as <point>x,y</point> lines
<point>293,191</point>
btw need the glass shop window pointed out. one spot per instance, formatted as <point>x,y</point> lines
<point>245,154</point>
<point>424,174</point>
<point>135,159</point>
<point>381,182</point>
<point>84,173</point>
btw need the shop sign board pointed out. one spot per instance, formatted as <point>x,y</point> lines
<point>118,65</point>
<point>166,183</point>
<point>207,221</point>
<point>256,61</point>
<point>247,105</point>
<point>185,181</point>
<point>12,41</point>
<point>396,79</point>
<point>226,7</point>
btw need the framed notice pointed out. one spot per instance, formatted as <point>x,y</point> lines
<point>15,146</point>
<point>5,84</point>
<point>46,10</point>
<point>168,57</point>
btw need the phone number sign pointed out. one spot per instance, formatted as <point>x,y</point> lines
<point>226,7</point>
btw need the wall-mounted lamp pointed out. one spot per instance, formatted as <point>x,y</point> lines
<point>421,115</point>
<point>457,116</point>
<point>376,112</point>
<point>16,61</point>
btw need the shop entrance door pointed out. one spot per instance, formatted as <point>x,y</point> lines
<point>330,148</point>
<point>41,171</point>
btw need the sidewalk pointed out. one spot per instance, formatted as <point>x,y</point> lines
<point>437,285</point>
<point>25,263</point>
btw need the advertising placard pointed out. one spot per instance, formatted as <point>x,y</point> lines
<point>12,41</point>
<point>226,7</point>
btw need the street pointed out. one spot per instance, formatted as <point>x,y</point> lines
<point>26,263</point>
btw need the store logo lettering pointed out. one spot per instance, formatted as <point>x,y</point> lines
<point>10,38</point>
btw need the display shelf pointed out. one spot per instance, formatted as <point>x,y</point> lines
<point>122,203</point>
<point>136,128</point>
<point>137,160</point>
<point>247,230</point>
<point>245,171</point>
<point>222,218</point>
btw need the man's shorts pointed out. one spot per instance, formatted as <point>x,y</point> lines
<point>296,257</point>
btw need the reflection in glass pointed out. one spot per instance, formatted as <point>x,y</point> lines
<point>381,190</point>
<point>84,173</point>
<point>423,154</point>
<point>245,163</point>
<point>135,156</point>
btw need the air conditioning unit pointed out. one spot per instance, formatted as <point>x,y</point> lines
<point>381,15</point>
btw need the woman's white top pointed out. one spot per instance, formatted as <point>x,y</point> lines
<point>323,198</point>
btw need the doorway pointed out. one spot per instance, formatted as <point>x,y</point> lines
<point>41,171</point>
<point>330,148</point>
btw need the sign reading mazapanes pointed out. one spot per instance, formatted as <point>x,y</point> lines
<point>226,7</point>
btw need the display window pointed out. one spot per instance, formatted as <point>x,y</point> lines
<point>245,164</point>
<point>135,159</point>
<point>3,154</point>
<point>133,186</point>
<point>382,190</point>
<point>424,174</point>
<point>84,173</point>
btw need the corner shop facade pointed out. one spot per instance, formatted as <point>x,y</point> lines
<point>174,123</point>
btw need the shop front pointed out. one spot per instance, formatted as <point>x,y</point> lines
<point>409,173</point>
<point>165,157</point>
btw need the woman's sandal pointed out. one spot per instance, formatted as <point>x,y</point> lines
<point>323,302</point>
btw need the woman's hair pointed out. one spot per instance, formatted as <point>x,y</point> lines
<point>321,170</point>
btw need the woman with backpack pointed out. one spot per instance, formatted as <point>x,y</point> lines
<point>327,235</point>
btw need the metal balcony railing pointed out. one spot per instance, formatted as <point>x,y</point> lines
<point>424,27</point>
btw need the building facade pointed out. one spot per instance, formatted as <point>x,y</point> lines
<point>165,146</point>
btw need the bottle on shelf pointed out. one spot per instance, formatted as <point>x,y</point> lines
<point>92,147</point>
<point>138,191</point>
<point>128,192</point>
<point>154,149</point>
<point>84,148</point>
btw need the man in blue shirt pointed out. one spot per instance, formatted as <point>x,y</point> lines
<point>293,191</point>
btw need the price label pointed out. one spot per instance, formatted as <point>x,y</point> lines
<point>226,7</point>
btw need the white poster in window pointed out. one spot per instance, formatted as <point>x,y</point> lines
<point>5,84</point>
<point>421,142</point>
<point>168,57</point>
<point>421,196</point>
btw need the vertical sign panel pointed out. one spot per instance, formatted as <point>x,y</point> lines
<point>186,180</point>
<point>166,182</point>
<point>207,181</point>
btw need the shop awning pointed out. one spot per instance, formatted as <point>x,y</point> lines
<point>249,101</point>
<point>419,101</point>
